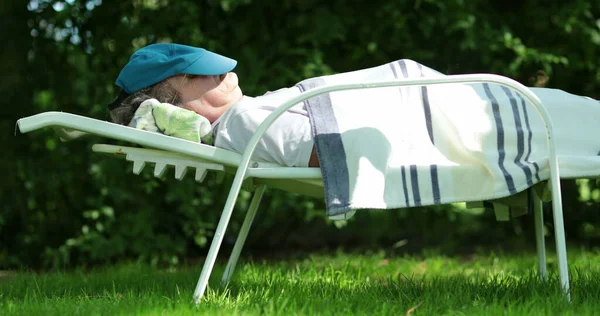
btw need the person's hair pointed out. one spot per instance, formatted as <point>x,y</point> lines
<point>162,91</point>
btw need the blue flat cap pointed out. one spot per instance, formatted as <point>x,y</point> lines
<point>154,63</point>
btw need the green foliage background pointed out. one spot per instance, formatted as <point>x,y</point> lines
<point>63,205</point>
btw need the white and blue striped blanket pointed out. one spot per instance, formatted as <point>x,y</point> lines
<point>400,147</point>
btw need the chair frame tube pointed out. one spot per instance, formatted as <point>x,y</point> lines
<point>540,244</point>
<point>243,234</point>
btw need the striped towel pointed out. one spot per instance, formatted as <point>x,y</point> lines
<point>414,146</point>
<point>172,120</point>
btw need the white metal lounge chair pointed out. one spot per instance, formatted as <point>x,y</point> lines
<point>163,151</point>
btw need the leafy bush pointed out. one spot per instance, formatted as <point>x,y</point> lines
<point>63,205</point>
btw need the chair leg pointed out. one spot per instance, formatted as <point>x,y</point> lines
<point>218,237</point>
<point>559,226</point>
<point>241,239</point>
<point>561,249</point>
<point>539,236</point>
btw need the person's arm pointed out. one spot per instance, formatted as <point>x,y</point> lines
<point>314,160</point>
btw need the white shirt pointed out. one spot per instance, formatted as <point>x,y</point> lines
<point>288,141</point>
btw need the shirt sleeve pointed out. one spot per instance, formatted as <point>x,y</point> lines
<point>288,141</point>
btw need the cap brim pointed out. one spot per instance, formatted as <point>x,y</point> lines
<point>210,64</point>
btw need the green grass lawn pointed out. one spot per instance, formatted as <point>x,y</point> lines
<point>369,284</point>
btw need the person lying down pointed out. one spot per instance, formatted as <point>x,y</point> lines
<point>203,82</point>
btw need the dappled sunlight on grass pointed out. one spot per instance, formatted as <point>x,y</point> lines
<point>342,283</point>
